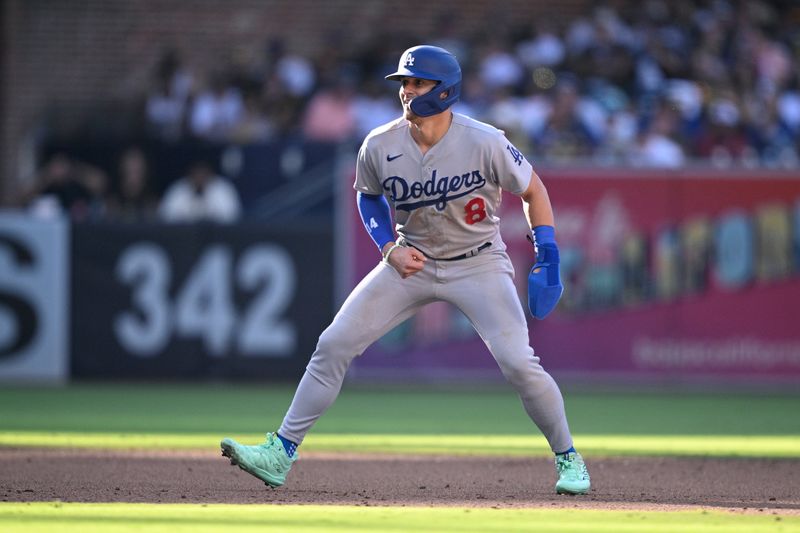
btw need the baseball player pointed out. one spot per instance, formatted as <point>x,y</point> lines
<point>442,174</point>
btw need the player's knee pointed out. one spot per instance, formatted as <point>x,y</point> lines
<point>330,361</point>
<point>334,346</point>
<point>521,371</point>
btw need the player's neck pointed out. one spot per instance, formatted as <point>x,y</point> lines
<point>427,131</point>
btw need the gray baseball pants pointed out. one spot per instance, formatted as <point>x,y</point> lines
<point>481,287</point>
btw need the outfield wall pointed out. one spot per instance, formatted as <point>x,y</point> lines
<point>673,276</point>
<point>121,301</point>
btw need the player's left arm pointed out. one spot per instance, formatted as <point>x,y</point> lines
<point>536,203</point>
<point>544,281</point>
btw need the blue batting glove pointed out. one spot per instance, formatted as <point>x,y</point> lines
<point>544,281</point>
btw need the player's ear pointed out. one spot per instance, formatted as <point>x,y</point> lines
<point>444,94</point>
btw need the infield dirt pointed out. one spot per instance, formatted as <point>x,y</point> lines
<point>741,485</point>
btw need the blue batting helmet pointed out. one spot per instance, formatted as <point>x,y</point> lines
<point>431,63</point>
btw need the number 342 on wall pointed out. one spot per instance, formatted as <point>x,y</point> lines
<point>203,306</point>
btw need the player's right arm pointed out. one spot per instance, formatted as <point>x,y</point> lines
<point>376,216</point>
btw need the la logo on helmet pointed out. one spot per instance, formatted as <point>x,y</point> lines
<point>409,60</point>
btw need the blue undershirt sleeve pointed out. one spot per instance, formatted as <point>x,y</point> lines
<point>376,216</point>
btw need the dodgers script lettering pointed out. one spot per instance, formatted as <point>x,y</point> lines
<point>436,191</point>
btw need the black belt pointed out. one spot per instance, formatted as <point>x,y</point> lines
<point>465,255</point>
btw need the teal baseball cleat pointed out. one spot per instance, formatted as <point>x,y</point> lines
<point>268,461</point>
<point>573,477</point>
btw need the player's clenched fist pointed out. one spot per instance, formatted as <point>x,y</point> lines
<point>407,260</point>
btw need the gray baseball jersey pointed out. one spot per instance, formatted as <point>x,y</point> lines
<point>445,201</point>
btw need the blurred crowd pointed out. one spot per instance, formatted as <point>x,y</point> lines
<point>85,192</point>
<point>653,84</point>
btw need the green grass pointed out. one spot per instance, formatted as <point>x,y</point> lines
<point>398,420</point>
<point>394,410</point>
<point>112,518</point>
